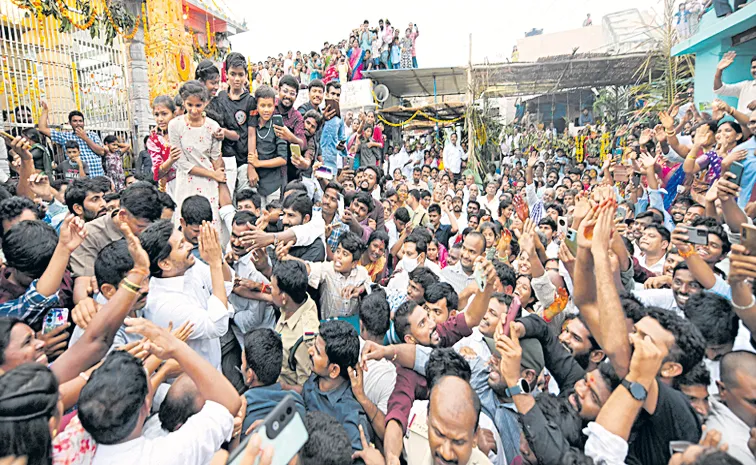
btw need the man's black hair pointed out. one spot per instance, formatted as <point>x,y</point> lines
<point>559,412</point>
<point>689,343</point>
<point>581,319</point>
<point>113,263</point>
<point>332,84</point>
<point>375,313</point>
<point>29,246</point>
<point>661,229</point>
<point>714,228</point>
<point>142,201</point>
<point>446,362</point>
<point>342,345</point>
<point>505,273</point>
<point>300,203</point>
<point>154,241</point>
<point>243,217</point>
<point>249,194</point>
<point>327,442</point>
<point>110,196</point>
<point>713,316</point>
<point>289,80</point>
<point>415,194</point>
<point>555,206</point>
<point>438,291</point>
<point>434,208</point>
<point>684,200</point>
<point>110,402</point>
<point>335,186</point>
<point>291,276</point>
<point>263,352</point>
<point>75,113</point>
<point>402,215</point>
<point>353,244</point>
<point>314,114</point>
<point>180,404</point>
<point>195,209</point>
<point>655,217</point>
<point>548,221</point>
<point>365,199</point>
<point>166,201</point>
<point>13,207</point>
<point>424,193</point>
<point>316,83</point>
<point>475,202</point>
<point>697,376</point>
<point>420,241</point>
<point>401,318</point>
<point>417,169</point>
<point>297,186</point>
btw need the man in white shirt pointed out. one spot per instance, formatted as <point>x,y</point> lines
<point>453,156</point>
<point>734,416</point>
<point>745,91</point>
<point>251,297</point>
<point>185,289</point>
<point>654,244</point>
<point>379,379</point>
<point>491,200</point>
<point>115,403</point>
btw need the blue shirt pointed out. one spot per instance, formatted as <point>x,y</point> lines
<point>30,307</point>
<point>263,399</point>
<point>341,405</point>
<point>332,133</point>
<point>749,171</point>
<point>90,158</point>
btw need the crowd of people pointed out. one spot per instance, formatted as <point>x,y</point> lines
<point>584,303</point>
<point>367,48</point>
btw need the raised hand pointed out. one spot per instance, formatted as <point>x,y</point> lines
<point>209,245</point>
<point>84,311</point>
<point>666,120</point>
<point>160,342</point>
<point>659,133</point>
<point>140,257</point>
<point>39,183</point>
<point>602,232</point>
<point>21,146</point>
<point>648,162</point>
<point>283,249</point>
<point>702,135</point>
<point>726,61</point>
<point>369,454</point>
<point>72,233</point>
<point>183,332</point>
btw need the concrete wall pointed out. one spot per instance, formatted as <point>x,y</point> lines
<point>588,40</point>
<point>141,111</point>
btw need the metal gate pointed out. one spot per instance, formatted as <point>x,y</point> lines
<point>71,71</point>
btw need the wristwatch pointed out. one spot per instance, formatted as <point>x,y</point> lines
<point>636,390</point>
<point>521,387</point>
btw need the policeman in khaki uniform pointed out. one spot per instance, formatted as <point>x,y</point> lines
<point>297,326</point>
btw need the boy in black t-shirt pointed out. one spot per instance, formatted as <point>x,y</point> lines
<point>73,167</point>
<point>267,164</point>
<point>236,111</point>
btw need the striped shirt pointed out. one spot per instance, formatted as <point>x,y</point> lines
<point>90,158</point>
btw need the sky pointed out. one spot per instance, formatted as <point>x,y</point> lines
<point>444,25</point>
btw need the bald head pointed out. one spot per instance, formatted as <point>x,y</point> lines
<point>735,363</point>
<point>453,413</point>
<point>455,397</point>
<point>181,402</point>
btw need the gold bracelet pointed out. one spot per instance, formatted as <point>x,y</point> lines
<point>395,355</point>
<point>124,286</point>
<point>130,286</point>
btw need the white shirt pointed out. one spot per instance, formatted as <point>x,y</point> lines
<point>393,234</point>
<point>662,298</point>
<point>734,432</point>
<point>657,267</point>
<point>604,446</point>
<point>250,314</point>
<point>189,298</point>
<point>194,443</point>
<point>475,342</point>
<point>490,205</point>
<point>745,91</point>
<point>398,160</point>
<point>453,156</point>
<point>307,233</point>
<point>379,381</point>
